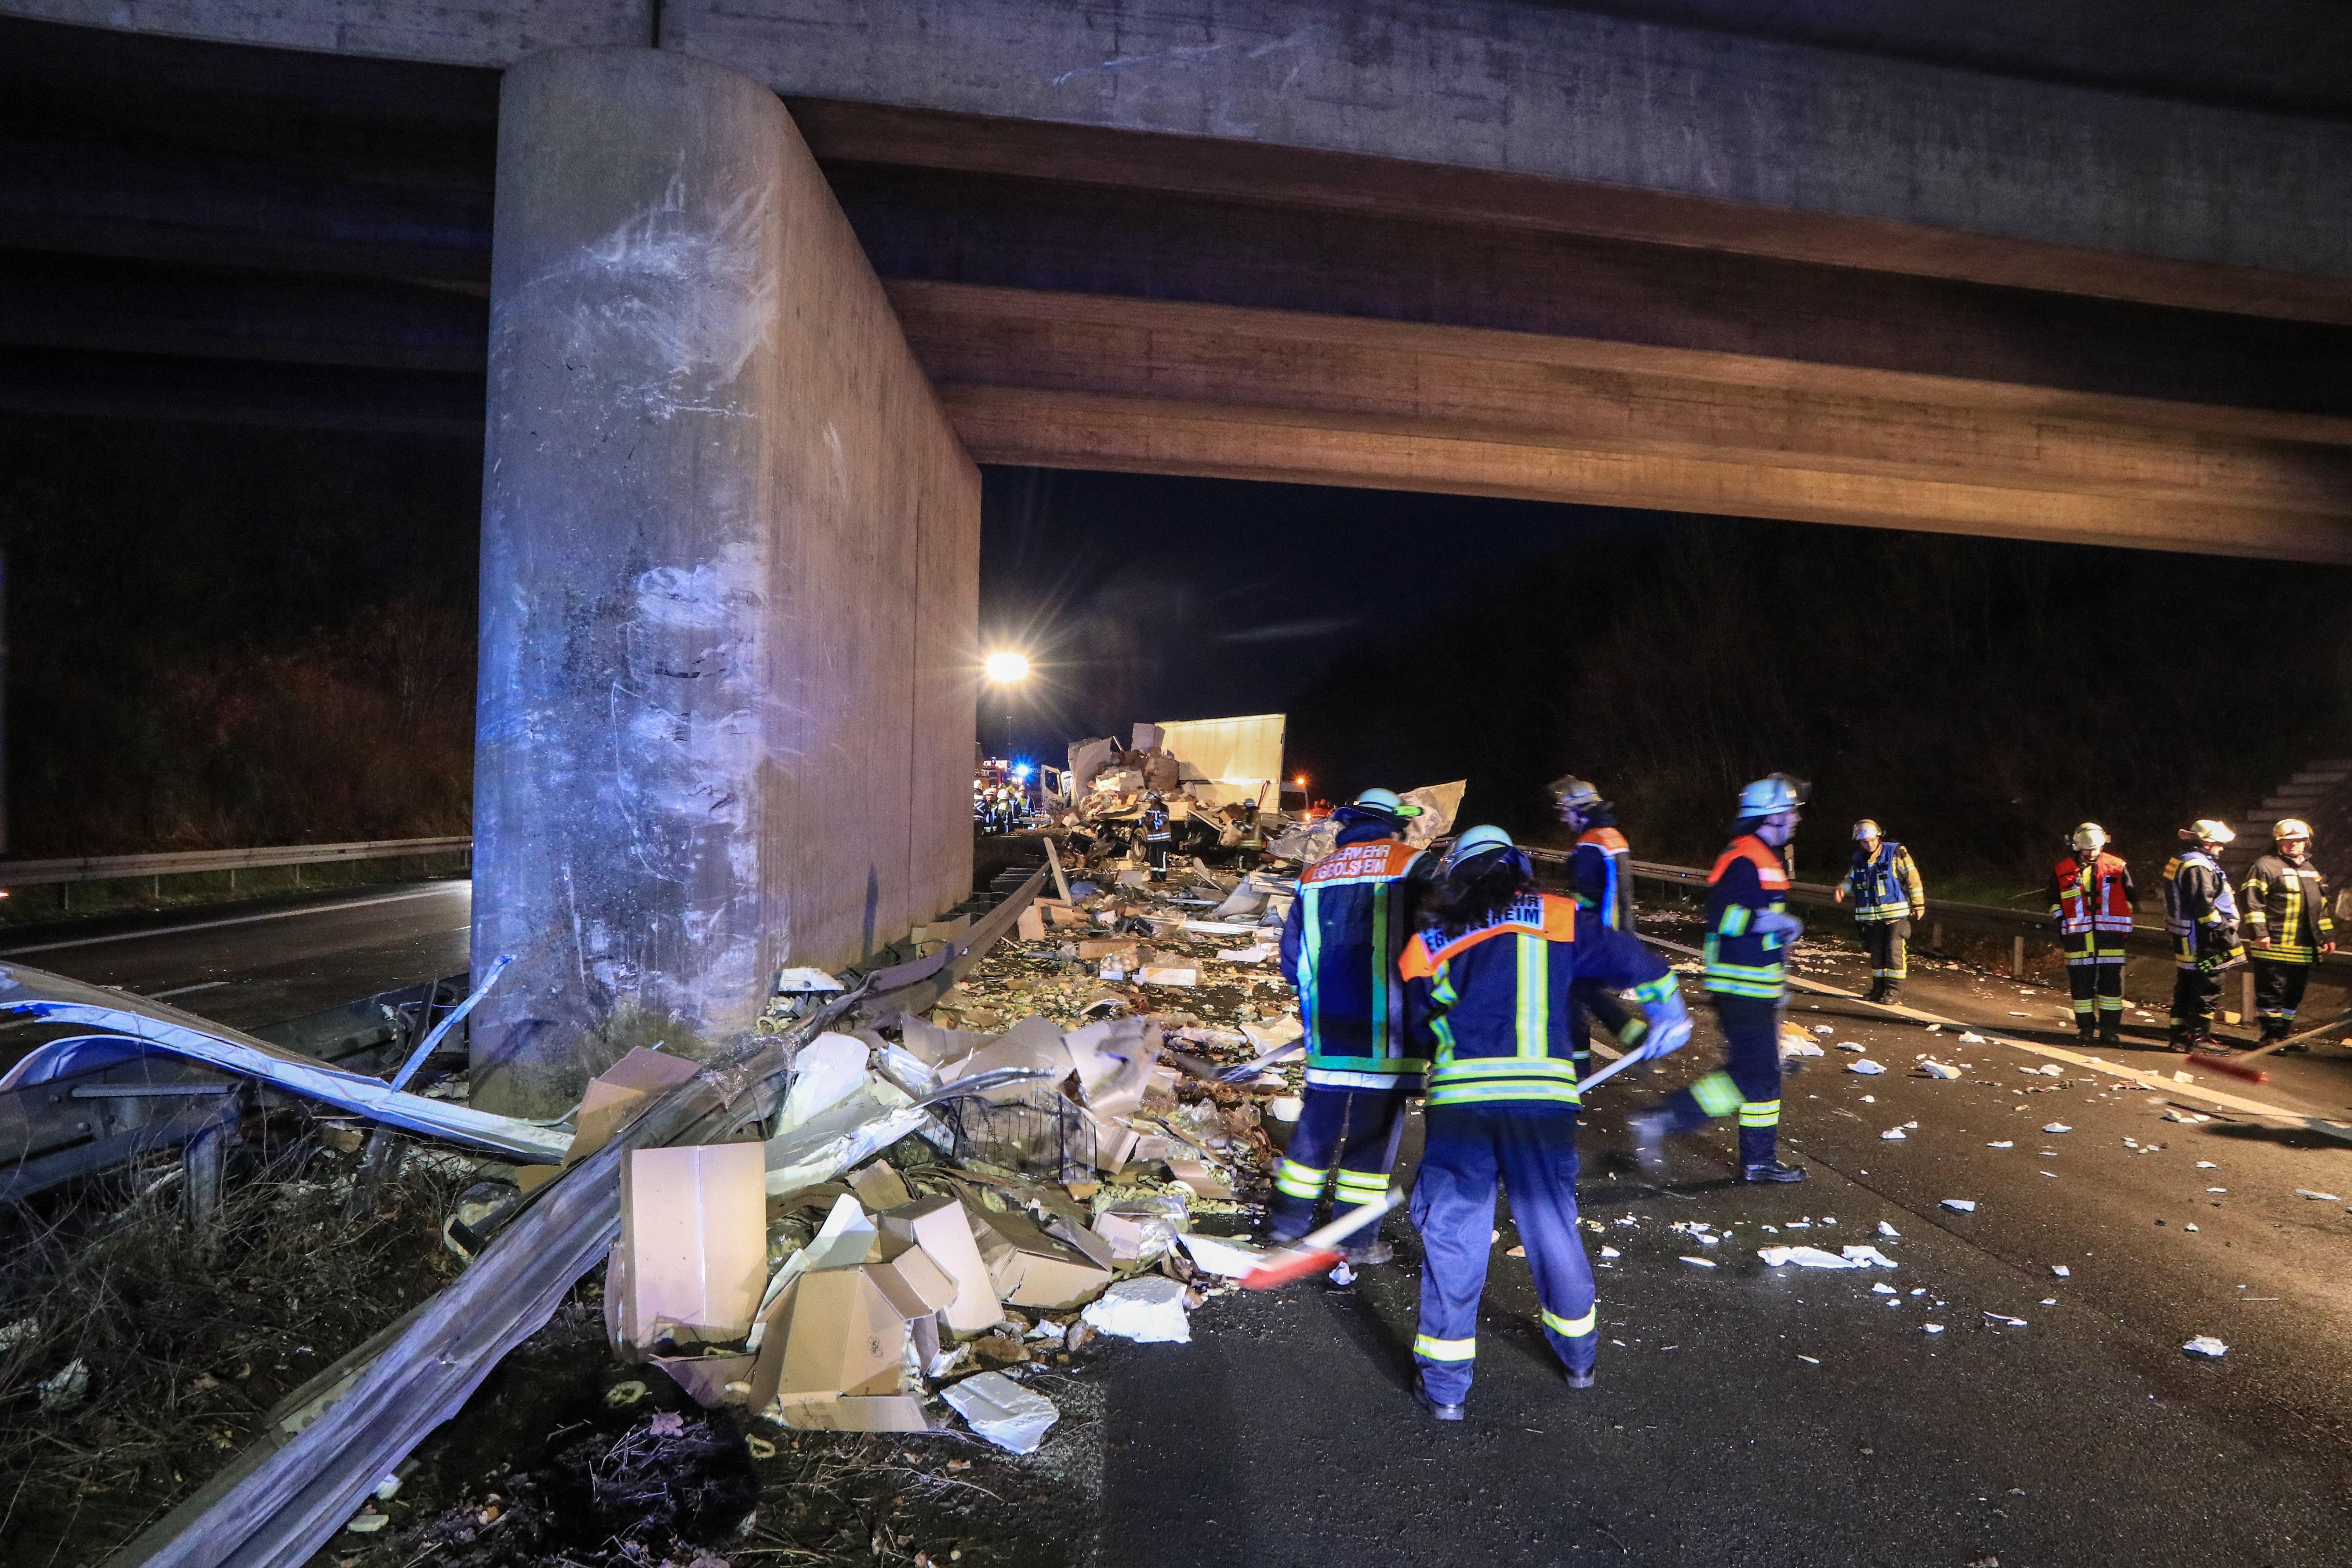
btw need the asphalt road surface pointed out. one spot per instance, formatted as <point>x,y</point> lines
<point>249,966</point>
<point>1751,1415</point>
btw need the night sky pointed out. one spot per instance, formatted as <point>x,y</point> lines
<point>1141,598</point>
<point>226,635</point>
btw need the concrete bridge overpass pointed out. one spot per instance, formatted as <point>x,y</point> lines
<point>1981,272</point>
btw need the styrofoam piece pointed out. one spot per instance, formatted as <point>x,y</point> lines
<point>1149,1309</point>
<point>2206,1348</point>
<point>1001,1410</point>
<point>1961,1206</point>
<point>828,1071</point>
<point>1221,1254</point>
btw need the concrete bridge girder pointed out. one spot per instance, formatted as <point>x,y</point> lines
<point>1155,386</point>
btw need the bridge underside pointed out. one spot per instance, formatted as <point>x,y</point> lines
<point>1114,299</point>
<point>208,231</point>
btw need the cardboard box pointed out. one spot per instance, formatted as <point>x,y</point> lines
<point>1167,974</point>
<point>1030,924</point>
<point>1063,915</point>
<point>1031,1269</point>
<point>613,1100</point>
<point>942,1227</point>
<point>694,1227</point>
<point>1106,947</point>
<point>879,1187</point>
<point>834,1356</point>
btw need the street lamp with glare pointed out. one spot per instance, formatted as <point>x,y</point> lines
<point>1007,669</point>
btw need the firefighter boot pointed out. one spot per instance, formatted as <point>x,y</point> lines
<point>1442,1411</point>
<point>2111,1030</point>
<point>1760,1157</point>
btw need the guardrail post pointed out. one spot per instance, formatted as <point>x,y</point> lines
<point>2017,958</point>
<point>202,1160</point>
<point>2246,995</point>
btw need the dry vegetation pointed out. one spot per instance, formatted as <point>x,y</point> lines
<point>183,1349</point>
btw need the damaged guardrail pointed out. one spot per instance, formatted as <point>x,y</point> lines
<point>289,1492</point>
<point>131,1026</point>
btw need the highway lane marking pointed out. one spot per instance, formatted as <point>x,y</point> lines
<point>184,990</point>
<point>236,921</point>
<point>2319,1124</point>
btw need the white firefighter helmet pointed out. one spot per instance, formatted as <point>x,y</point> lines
<point>2208,830</point>
<point>1772,795</point>
<point>1478,841</point>
<point>1866,828</point>
<point>2089,838</point>
<point>1570,790</point>
<point>1385,800</point>
<point>2287,827</point>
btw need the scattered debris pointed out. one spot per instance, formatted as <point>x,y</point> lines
<point>2060,1270</point>
<point>1001,1410</point>
<point>1961,1206</point>
<point>2054,1127</point>
<point>1865,1066</point>
<point>1893,1133</point>
<point>1702,1262</point>
<point>1939,1070</point>
<point>1888,1230</point>
<point>2318,1197</point>
<point>1149,1309</point>
<point>2004,1318</point>
<point>2205,1347</point>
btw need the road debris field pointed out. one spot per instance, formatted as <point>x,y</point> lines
<point>966,1291</point>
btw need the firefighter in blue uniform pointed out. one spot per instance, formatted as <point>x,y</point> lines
<point>1601,875</point>
<point>1489,976</point>
<point>2201,917</point>
<point>1749,931</point>
<point>1883,884</point>
<point>1340,949</point>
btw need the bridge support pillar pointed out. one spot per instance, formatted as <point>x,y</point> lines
<point>728,580</point>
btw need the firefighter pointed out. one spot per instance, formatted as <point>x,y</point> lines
<point>1341,944</point>
<point>2288,927</point>
<point>1158,832</point>
<point>1885,887</point>
<point>1600,875</point>
<point>2202,919</point>
<point>1749,931</point>
<point>2091,898</point>
<point>1489,975</point>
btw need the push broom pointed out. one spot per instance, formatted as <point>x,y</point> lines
<point>1319,1251</point>
<point>2242,1065</point>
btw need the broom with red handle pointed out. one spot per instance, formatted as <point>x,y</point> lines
<point>2241,1066</point>
<point>1319,1250</point>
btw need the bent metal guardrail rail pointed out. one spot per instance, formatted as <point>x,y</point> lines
<point>111,867</point>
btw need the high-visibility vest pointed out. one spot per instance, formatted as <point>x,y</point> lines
<point>1597,868</point>
<point>1340,946</point>
<point>1884,886</point>
<point>2092,895</point>
<point>1748,880</point>
<point>1493,1000</point>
